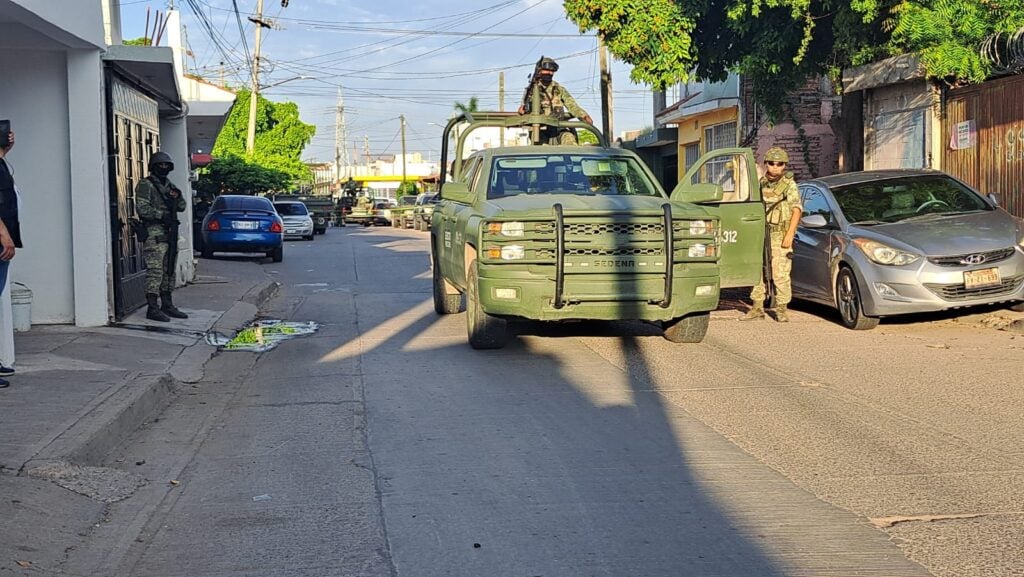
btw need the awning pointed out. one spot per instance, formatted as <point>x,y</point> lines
<point>902,68</point>
<point>151,69</point>
<point>658,137</point>
<point>689,110</point>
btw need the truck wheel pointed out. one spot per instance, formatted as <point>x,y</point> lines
<point>444,303</point>
<point>688,329</point>
<point>485,331</point>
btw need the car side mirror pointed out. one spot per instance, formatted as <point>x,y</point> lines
<point>993,197</point>
<point>457,191</point>
<point>814,221</point>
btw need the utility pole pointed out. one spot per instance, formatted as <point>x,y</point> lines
<point>366,152</point>
<point>340,138</point>
<point>402,118</point>
<point>606,91</point>
<point>250,139</point>
<point>501,101</point>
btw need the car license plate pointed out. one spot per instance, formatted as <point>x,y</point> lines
<point>245,224</point>
<point>292,231</point>
<point>980,278</point>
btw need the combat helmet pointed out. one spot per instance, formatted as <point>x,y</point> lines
<point>776,154</point>
<point>160,157</point>
<point>547,64</point>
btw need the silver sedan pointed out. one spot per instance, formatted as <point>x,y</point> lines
<point>881,243</point>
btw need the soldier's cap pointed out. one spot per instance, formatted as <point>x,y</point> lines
<point>547,64</point>
<point>161,157</point>
<point>776,154</point>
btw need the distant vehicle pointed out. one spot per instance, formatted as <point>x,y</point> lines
<point>240,223</point>
<point>402,211</point>
<point>421,214</point>
<point>880,243</point>
<point>296,218</point>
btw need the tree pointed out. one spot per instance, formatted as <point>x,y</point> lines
<point>471,106</point>
<point>779,43</point>
<point>232,174</point>
<point>406,187</point>
<point>280,136</point>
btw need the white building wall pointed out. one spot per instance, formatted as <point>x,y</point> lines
<point>37,104</point>
<point>74,22</point>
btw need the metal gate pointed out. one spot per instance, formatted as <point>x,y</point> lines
<point>984,125</point>
<point>136,135</point>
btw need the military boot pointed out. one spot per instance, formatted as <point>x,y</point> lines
<point>755,312</point>
<point>780,314</point>
<point>169,309</point>
<point>154,313</point>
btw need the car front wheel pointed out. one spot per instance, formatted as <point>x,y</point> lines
<point>485,331</point>
<point>848,301</point>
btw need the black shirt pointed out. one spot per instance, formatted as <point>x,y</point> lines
<point>9,204</point>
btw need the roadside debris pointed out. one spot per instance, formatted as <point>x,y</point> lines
<point>262,335</point>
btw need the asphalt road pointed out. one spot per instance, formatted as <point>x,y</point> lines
<point>383,445</point>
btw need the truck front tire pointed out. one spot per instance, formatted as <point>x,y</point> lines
<point>484,331</point>
<point>688,329</point>
<point>444,303</point>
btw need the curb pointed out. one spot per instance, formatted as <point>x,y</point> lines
<point>109,423</point>
<point>139,398</point>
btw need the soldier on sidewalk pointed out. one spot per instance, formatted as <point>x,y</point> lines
<point>782,213</point>
<point>158,202</point>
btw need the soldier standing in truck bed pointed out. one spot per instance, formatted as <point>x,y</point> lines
<point>555,100</point>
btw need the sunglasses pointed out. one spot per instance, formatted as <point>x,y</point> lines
<point>164,165</point>
<point>774,163</point>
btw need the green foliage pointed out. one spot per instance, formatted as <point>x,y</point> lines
<point>280,136</point>
<point>586,137</point>
<point>232,174</point>
<point>407,187</point>
<point>471,106</point>
<point>143,41</point>
<point>948,34</point>
<point>778,44</point>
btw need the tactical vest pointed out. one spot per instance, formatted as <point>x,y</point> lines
<point>777,205</point>
<point>551,100</point>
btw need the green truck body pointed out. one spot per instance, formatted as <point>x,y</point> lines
<point>562,233</point>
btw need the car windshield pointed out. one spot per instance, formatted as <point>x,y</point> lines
<point>242,203</point>
<point>407,200</point>
<point>896,199</point>
<point>579,174</point>
<point>290,209</point>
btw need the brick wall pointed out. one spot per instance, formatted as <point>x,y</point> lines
<point>813,147</point>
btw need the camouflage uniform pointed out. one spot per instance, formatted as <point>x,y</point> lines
<point>153,204</point>
<point>781,197</point>
<point>555,100</point>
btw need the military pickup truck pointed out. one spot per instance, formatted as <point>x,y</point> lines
<point>563,233</point>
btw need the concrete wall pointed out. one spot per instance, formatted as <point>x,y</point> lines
<point>35,98</point>
<point>77,23</point>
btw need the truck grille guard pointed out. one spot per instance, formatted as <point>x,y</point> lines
<point>656,228</point>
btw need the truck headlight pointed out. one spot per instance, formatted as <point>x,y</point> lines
<point>513,252</point>
<point>883,253</point>
<point>701,250</point>
<point>699,227</point>
<point>506,228</point>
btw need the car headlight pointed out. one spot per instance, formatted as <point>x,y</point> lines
<point>506,228</point>
<point>883,253</point>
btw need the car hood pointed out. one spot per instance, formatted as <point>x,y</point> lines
<point>948,235</point>
<point>524,204</point>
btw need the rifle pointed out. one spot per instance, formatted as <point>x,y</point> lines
<point>171,221</point>
<point>769,281</point>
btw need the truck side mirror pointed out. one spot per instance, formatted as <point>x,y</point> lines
<point>457,191</point>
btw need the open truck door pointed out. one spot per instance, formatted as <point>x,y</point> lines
<point>726,180</point>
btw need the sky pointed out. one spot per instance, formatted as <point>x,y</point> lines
<point>392,58</point>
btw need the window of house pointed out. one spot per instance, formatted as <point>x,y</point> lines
<point>692,153</point>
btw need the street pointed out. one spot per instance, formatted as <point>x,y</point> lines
<point>383,445</point>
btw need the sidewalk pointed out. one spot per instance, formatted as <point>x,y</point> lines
<point>79,392</point>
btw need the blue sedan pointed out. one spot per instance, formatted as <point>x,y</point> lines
<point>240,223</point>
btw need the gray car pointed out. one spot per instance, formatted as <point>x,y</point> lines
<point>881,243</point>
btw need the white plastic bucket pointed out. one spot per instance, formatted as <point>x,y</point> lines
<point>21,307</point>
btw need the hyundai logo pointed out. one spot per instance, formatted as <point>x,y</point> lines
<point>975,259</point>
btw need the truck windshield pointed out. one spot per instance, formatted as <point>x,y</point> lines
<point>568,174</point>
